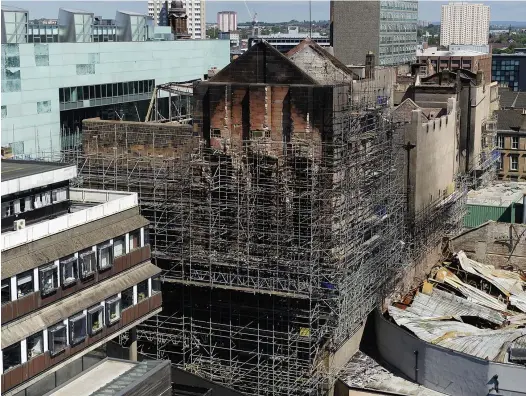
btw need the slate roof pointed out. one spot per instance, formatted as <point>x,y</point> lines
<point>511,120</point>
<point>510,99</point>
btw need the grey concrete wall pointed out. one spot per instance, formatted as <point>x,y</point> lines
<point>492,243</point>
<point>444,370</point>
<point>356,30</point>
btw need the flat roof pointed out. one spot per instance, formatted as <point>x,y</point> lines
<point>15,169</point>
<point>96,378</point>
<point>501,194</point>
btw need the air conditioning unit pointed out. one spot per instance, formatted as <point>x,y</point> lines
<point>19,224</point>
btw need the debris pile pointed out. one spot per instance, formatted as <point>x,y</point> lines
<point>469,307</point>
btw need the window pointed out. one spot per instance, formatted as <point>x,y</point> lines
<point>135,239</point>
<point>77,329</point>
<point>105,256</point>
<point>501,162</point>
<point>68,268</point>
<point>156,284</point>
<point>57,339</point>
<point>127,298</point>
<point>95,319</point>
<point>48,279</point>
<point>119,247</point>
<point>146,236</point>
<point>88,263</point>
<point>500,141</point>
<point>514,162</point>
<point>6,290</point>
<point>60,194</point>
<point>24,283</point>
<point>142,291</point>
<point>35,345</point>
<point>12,356</point>
<point>113,310</point>
<point>515,142</point>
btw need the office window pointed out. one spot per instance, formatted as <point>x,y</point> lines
<point>35,345</point>
<point>88,263</point>
<point>113,310</point>
<point>48,279</point>
<point>127,298</point>
<point>68,268</point>
<point>119,246</point>
<point>500,141</point>
<point>114,90</point>
<point>142,291</point>
<point>97,92</point>
<point>514,162</point>
<point>514,142</point>
<point>95,319</point>
<point>24,283</point>
<point>135,239</point>
<point>6,290</point>
<point>80,93</point>
<point>156,284</point>
<point>57,339</point>
<point>77,329</point>
<point>12,356</point>
<point>59,195</point>
<point>105,256</point>
<point>86,92</point>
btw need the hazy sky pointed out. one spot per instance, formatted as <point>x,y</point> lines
<point>268,11</point>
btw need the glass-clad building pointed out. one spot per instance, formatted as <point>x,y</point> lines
<point>56,75</point>
<point>509,70</point>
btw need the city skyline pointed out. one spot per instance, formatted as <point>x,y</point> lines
<point>268,11</point>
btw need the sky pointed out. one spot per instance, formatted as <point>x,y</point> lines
<point>268,11</point>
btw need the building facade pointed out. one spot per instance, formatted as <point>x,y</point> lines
<point>390,32</point>
<point>464,23</point>
<point>509,70</point>
<point>76,272</point>
<point>284,42</point>
<point>453,60</point>
<point>511,141</point>
<point>51,87</point>
<point>227,21</point>
<point>195,9</point>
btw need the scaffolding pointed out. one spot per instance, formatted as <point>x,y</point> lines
<point>272,256</point>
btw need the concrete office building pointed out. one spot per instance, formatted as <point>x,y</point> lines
<point>464,23</point>
<point>195,9</point>
<point>55,76</point>
<point>76,273</point>
<point>227,21</point>
<point>284,42</point>
<point>390,32</point>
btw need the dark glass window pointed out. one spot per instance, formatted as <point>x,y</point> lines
<point>24,283</point>
<point>61,95</point>
<point>142,290</point>
<point>6,290</point>
<point>92,92</point>
<point>127,298</point>
<point>125,88</point>
<point>119,86</point>
<point>97,91</point>
<point>67,96</point>
<point>12,356</point>
<point>86,92</point>
<point>156,284</point>
<point>35,345</point>
<point>114,91</point>
<point>80,93</point>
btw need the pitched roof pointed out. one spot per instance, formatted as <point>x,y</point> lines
<point>308,42</point>
<point>511,99</point>
<point>511,120</point>
<point>262,63</point>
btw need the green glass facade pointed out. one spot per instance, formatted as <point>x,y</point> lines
<point>398,32</point>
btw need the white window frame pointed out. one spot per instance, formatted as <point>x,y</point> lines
<point>115,301</point>
<point>515,139</point>
<point>500,141</point>
<point>116,242</point>
<point>109,248</point>
<point>30,274</point>
<point>85,270</point>
<point>512,157</point>
<point>59,195</point>
<point>80,318</point>
<point>51,336</point>
<point>65,263</point>
<point>41,271</point>
<point>99,309</point>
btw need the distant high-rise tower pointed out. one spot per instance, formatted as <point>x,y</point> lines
<point>464,23</point>
<point>195,10</point>
<point>178,20</point>
<point>227,21</point>
<point>386,28</point>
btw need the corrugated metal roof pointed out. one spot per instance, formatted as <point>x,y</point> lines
<point>48,316</point>
<point>54,247</point>
<point>458,336</point>
<point>441,303</point>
